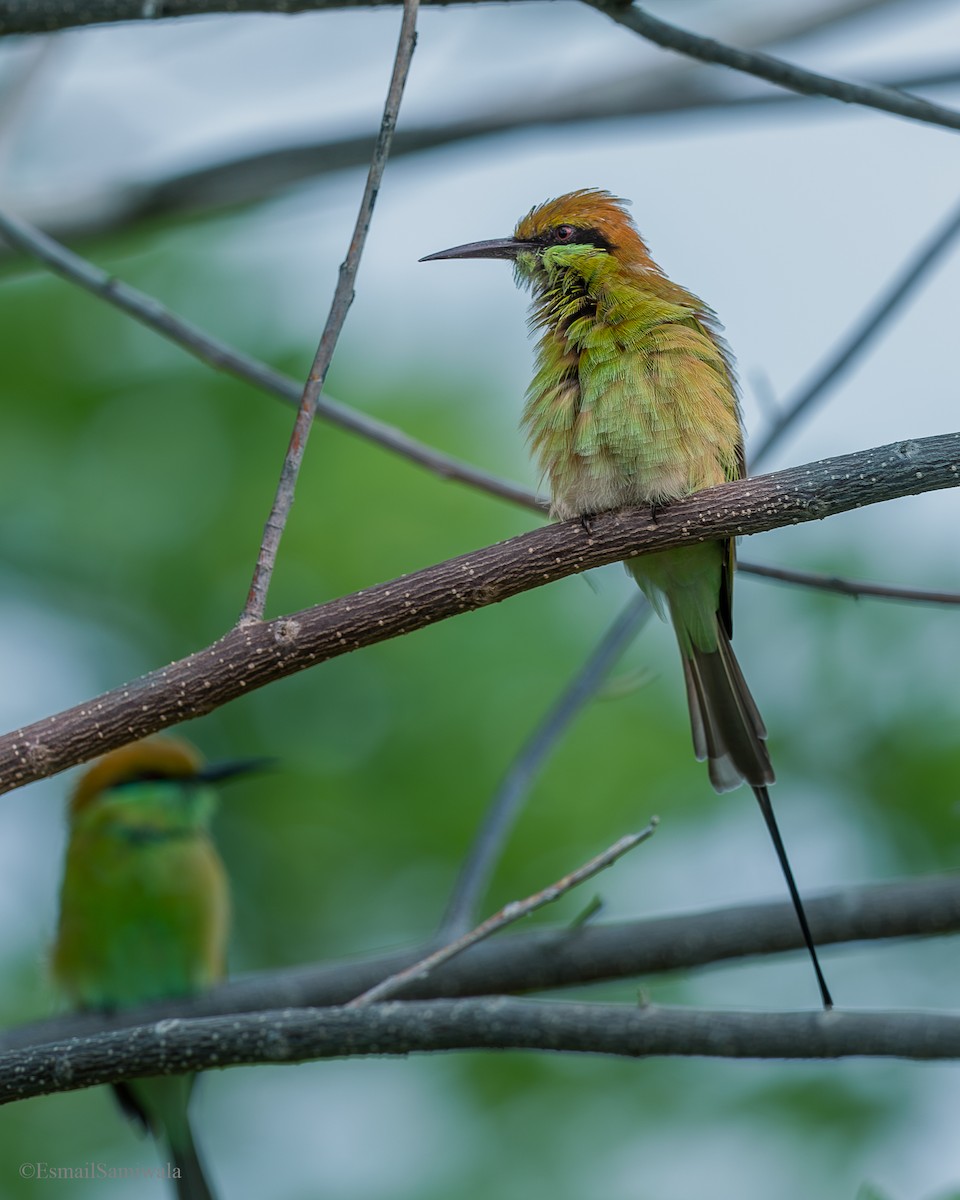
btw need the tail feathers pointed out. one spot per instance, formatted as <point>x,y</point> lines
<point>190,1179</point>
<point>763,798</point>
<point>726,724</point>
<point>131,1106</point>
<point>729,731</point>
<point>159,1106</point>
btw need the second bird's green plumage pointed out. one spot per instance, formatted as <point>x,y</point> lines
<point>144,911</point>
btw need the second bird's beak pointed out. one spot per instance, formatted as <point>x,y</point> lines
<point>494,248</point>
<point>220,772</point>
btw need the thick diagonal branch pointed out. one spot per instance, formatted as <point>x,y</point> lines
<point>256,654</point>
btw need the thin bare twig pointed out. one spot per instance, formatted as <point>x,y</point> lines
<point>893,297</point>
<point>850,587</point>
<point>775,70</point>
<point>342,299</point>
<point>515,911</point>
<point>478,866</point>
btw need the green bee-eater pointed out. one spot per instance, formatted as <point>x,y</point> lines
<point>634,402</point>
<point>144,910</point>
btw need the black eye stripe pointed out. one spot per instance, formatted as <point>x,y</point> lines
<point>582,236</point>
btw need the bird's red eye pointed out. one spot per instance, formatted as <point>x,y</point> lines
<point>564,233</point>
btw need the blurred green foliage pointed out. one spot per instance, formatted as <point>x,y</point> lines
<point>134,486</point>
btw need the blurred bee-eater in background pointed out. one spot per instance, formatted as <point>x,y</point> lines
<point>144,910</point>
<point>634,402</point>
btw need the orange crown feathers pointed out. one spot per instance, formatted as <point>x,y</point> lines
<point>171,758</point>
<point>587,208</point>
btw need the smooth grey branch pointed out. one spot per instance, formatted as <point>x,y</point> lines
<point>495,1023</point>
<point>547,959</point>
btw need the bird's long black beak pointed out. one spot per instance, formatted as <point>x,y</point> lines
<point>494,248</point>
<point>221,772</point>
